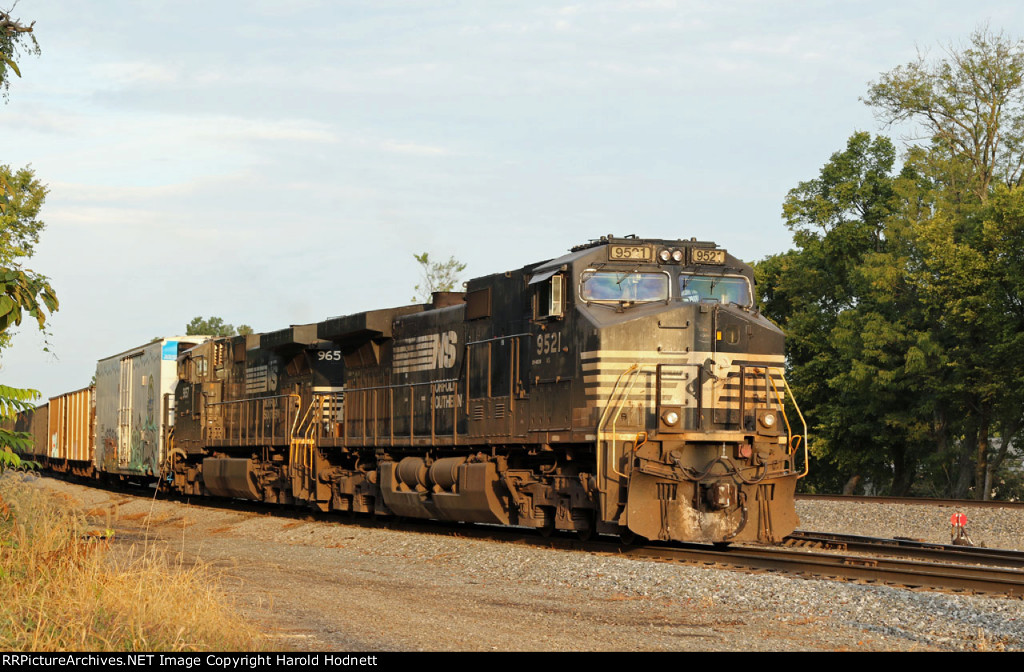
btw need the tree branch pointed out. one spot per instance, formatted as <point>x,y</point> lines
<point>9,25</point>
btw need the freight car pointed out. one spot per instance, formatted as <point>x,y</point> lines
<point>629,387</point>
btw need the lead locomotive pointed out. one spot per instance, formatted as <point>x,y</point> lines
<point>629,387</point>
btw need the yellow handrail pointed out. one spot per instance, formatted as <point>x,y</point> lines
<point>633,368</point>
<point>794,440</point>
<point>622,400</point>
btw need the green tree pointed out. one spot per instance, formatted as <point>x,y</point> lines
<point>903,298</point>
<point>969,277</point>
<point>971,105</point>
<point>20,225</point>
<point>21,198</point>
<point>850,319</point>
<point>438,276</point>
<point>23,292</point>
<point>214,326</point>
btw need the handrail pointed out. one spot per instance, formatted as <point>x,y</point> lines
<point>349,390</point>
<point>245,404</point>
<point>806,442</point>
<point>791,448</point>
<point>633,368</point>
<point>247,399</point>
<point>618,397</point>
<point>615,422</point>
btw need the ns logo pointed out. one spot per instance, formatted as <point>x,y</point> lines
<point>426,353</point>
<point>444,349</point>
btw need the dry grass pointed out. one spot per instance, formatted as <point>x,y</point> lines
<point>62,590</point>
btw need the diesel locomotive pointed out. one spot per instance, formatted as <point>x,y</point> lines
<point>629,387</point>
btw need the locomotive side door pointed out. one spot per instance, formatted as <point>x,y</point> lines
<point>493,364</point>
<point>492,373</point>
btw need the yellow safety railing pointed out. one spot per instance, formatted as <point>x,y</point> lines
<point>624,384</point>
<point>633,369</point>
<point>794,439</point>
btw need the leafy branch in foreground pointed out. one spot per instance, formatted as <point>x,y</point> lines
<point>24,291</point>
<point>12,402</point>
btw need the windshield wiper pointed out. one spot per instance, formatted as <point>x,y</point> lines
<point>626,275</point>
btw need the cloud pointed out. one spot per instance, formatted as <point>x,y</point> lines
<point>397,147</point>
<point>131,73</point>
<point>80,193</point>
<point>44,121</point>
<point>295,130</point>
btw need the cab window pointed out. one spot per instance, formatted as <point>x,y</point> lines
<point>623,287</point>
<point>714,289</point>
<point>549,297</point>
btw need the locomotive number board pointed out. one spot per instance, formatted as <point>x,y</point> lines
<point>705,256</point>
<point>631,253</point>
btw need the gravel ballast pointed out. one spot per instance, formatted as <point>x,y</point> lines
<point>325,585</point>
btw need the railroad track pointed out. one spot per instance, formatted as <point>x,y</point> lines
<point>866,560</point>
<point>841,557</point>
<point>913,548</point>
<point>930,501</point>
<point>876,568</point>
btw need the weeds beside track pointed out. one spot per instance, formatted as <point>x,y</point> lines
<point>63,591</point>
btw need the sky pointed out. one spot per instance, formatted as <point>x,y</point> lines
<point>277,163</point>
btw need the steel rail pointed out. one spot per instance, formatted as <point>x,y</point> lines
<point>930,501</point>
<point>908,548</point>
<point>876,570</point>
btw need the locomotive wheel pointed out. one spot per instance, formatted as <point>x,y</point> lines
<point>631,538</point>
<point>587,533</point>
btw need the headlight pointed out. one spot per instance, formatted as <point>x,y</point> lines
<point>677,255</point>
<point>664,256</point>
<point>670,418</point>
<point>768,420</point>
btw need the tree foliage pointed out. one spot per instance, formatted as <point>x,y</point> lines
<point>438,276</point>
<point>23,292</point>
<point>971,104</point>
<point>904,298</point>
<point>849,318</point>
<point>12,402</point>
<point>214,326</point>
<point>21,199</point>
<point>15,38</point>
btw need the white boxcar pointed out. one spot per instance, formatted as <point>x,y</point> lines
<point>133,389</point>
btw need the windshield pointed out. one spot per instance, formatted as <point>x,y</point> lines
<point>717,288</point>
<point>619,286</point>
